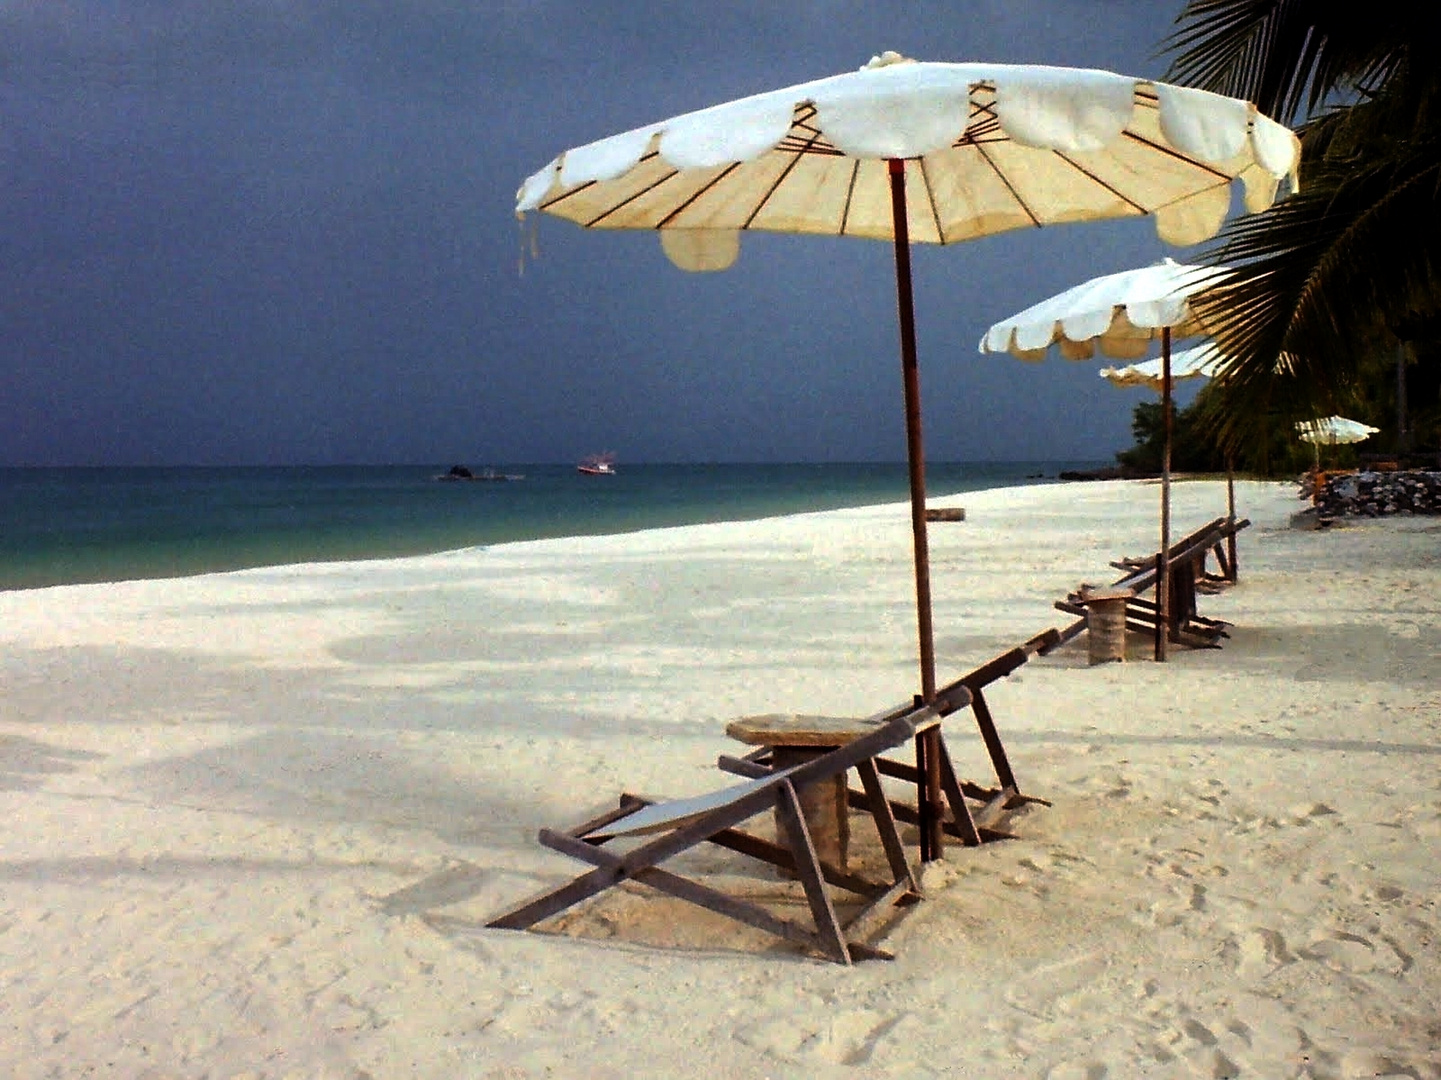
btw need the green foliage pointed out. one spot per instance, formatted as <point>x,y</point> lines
<point>1332,281</point>
<point>1194,447</point>
<point>1191,450</point>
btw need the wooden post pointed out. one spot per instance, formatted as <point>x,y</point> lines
<point>1106,625</point>
<point>1163,567</point>
<point>930,794</point>
<point>1231,571</point>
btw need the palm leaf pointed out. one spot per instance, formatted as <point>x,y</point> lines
<point>1320,279</point>
<point>1290,56</point>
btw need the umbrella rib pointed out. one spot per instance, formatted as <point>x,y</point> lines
<point>1089,175</point>
<point>850,194</point>
<point>732,167</point>
<point>632,197</point>
<point>556,200</point>
<point>624,202</point>
<point>1151,144</point>
<point>1140,209</point>
<point>931,201</point>
<point>1001,176</point>
<point>780,179</point>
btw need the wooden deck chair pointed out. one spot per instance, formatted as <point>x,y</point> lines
<point>971,827</point>
<point>673,827</point>
<point>1187,558</point>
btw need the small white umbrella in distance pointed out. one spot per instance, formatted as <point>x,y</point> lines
<point>1334,431</point>
<point>1198,362</point>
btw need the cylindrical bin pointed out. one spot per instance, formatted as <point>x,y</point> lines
<point>1105,624</point>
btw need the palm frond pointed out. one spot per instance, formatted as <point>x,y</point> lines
<point>1290,56</point>
<point>1319,279</point>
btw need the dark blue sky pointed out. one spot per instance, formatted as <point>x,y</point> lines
<point>282,231</point>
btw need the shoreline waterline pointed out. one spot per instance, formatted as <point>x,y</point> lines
<point>73,526</point>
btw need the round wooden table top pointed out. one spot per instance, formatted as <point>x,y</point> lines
<point>792,729</point>
<point>1096,594</point>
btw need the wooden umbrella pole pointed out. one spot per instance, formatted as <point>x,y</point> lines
<point>927,746</point>
<point>1231,517</point>
<point>915,454</point>
<point>1163,571</point>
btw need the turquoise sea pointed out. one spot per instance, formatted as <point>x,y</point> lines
<point>72,525</point>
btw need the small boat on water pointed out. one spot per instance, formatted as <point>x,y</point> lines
<point>597,465</point>
<point>460,472</point>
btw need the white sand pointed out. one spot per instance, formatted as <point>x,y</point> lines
<point>254,822</point>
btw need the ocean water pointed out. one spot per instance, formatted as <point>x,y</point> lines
<point>73,525</point>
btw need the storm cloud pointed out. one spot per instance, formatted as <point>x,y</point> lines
<point>283,232</point>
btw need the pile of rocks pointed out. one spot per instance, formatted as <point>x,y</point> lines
<point>1371,494</point>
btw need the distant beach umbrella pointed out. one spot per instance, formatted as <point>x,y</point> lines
<point>1334,431</point>
<point>1199,362</point>
<point>923,153</point>
<point>1121,314</point>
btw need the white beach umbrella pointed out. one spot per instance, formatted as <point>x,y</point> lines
<point>1117,314</point>
<point>924,153</point>
<point>1121,314</point>
<point>1334,431</point>
<point>1198,362</point>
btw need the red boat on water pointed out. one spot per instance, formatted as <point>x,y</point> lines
<point>598,465</point>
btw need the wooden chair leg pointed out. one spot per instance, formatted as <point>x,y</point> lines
<point>885,819</point>
<point>965,825</point>
<point>992,737</point>
<point>808,869</point>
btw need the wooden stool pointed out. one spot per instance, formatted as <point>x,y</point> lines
<point>1105,623</point>
<point>795,739</point>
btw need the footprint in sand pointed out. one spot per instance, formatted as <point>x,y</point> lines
<point>1382,1066</point>
<point>847,1038</point>
<point>1090,1070</point>
<point>1356,955</point>
<point>1256,952</point>
<point>1203,1049</point>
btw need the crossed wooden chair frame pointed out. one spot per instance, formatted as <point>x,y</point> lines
<point>1188,576</point>
<point>956,818</point>
<point>680,825</point>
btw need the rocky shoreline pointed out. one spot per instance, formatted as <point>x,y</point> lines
<point>1374,494</point>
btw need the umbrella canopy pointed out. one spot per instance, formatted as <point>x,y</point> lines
<point>1334,431</point>
<point>1331,431</point>
<point>930,153</point>
<point>1199,362</point>
<point>1121,313</point>
<point>995,147</point>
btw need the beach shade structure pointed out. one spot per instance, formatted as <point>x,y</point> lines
<point>914,152</point>
<point>1119,314</point>
<point>1332,431</point>
<point>1198,362</point>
